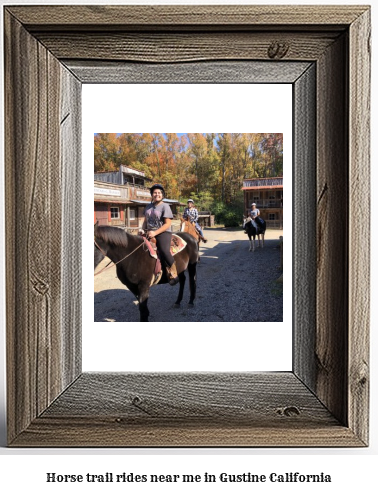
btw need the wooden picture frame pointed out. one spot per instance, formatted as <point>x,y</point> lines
<point>49,52</point>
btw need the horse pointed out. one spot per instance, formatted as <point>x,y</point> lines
<point>135,266</point>
<point>253,232</point>
<point>188,227</point>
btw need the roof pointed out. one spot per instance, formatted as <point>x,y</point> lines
<point>250,188</point>
<point>263,183</point>
<point>166,200</point>
<point>113,201</point>
<point>262,178</point>
<point>140,202</point>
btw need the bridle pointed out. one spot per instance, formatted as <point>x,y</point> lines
<point>109,265</point>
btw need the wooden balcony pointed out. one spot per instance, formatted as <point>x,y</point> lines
<point>266,204</point>
<point>266,182</point>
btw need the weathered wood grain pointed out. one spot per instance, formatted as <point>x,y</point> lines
<point>34,187</point>
<point>185,16</point>
<point>304,227</point>
<point>97,432</point>
<point>219,396</point>
<point>181,47</point>
<point>71,189</point>
<point>332,229</point>
<point>34,200</point>
<point>359,234</point>
<point>324,402</point>
<point>196,409</point>
<point>199,72</point>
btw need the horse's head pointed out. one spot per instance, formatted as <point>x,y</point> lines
<point>100,249</point>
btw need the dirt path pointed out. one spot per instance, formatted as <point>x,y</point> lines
<point>233,284</point>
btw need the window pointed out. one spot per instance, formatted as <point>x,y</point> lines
<point>132,213</point>
<point>272,200</point>
<point>114,212</point>
<point>272,216</point>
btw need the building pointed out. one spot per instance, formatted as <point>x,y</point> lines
<point>124,175</point>
<point>267,193</point>
<point>120,198</point>
<point>115,204</point>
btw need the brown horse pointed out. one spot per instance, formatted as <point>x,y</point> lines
<point>135,266</point>
<point>189,227</point>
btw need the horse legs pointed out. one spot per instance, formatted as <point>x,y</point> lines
<point>252,244</point>
<point>143,308</point>
<point>182,280</point>
<point>192,269</point>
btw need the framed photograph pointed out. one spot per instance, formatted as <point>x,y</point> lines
<point>233,283</point>
<point>324,53</point>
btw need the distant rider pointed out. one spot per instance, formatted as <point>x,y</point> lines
<point>254,214</point>
<point>191,214</point>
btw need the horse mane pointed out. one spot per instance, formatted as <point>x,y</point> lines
<point>112,235</point>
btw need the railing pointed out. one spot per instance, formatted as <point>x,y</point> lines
<point>138,186</point>
<point>274,224</point>
<point>267,204</point>
<point>274,181</point>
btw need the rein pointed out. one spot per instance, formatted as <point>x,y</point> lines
<point>111,264</point>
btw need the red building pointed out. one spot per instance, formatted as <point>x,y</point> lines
<point>267,193</point>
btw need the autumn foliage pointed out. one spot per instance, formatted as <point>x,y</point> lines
<point>208,166</point>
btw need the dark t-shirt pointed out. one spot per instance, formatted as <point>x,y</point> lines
<point>155,215</point>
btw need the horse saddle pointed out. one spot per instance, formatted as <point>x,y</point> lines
<point>177,245</point>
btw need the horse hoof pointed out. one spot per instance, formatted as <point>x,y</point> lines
<point>177,306</point>
<point>190,305</point>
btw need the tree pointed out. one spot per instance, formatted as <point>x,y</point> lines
<point>206,167</point>
<point>106,152</point>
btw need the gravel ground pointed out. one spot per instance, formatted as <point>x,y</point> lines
<point>233,284</point>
